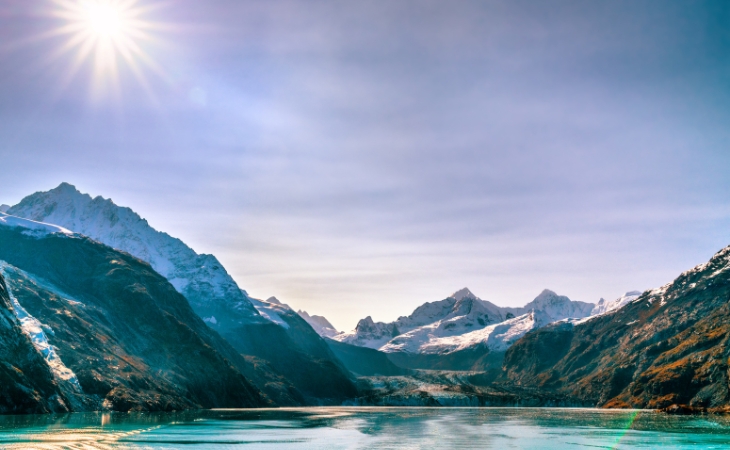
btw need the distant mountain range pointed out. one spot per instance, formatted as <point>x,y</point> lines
<point>463,320</point>
<point>100,311</point>
<point>464,332</point>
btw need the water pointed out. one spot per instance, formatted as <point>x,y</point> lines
<point>368,428</point>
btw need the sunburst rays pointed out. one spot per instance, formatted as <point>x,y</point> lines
<point>112,34</point>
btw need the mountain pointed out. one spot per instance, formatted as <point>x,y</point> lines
<point>668,348</point>
<point>287,348</point>
<point>320,324</point>
<point>604,307</point>
<point>202,279</point>
<point>106,330</point>
<point>4,208</point>
<point>463,321</point>
<point>294,350</point>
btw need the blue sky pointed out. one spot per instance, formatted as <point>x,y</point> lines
<point>361,158</point>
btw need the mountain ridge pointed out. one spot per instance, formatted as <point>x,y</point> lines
<point>214,296</point>
<point>460,321</point>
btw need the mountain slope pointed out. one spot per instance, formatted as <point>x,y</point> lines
<point>293,349</point>
<point>668,347</point>
<point>307,373</point>
<point>365,361</point>
<point>128,337</point>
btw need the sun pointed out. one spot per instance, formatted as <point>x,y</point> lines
<point>110,33</point>
<point>105,20</point>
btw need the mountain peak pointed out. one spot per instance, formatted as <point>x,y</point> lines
<point>546,293</point>
<point>4,208</point>
<point>462,294</point>
<point>200,278</point>
<point>66,187</point>
<point>547,297</point>
<point>273,300</point>
<point>320,324</point>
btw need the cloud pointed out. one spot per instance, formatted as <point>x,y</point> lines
<point>361,158</point>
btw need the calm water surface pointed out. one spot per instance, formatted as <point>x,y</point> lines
<point>368,428</point>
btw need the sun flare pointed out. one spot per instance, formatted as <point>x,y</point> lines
<point>109,33</point>
<point>104,19</point>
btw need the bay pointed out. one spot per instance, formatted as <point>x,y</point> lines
<point>368,428</point>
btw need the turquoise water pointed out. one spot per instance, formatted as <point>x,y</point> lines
<point>368,428</point>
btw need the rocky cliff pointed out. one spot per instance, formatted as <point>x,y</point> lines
<point>667,347</point>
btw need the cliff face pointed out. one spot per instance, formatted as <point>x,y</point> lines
<point>129,339</point>
<point>668,347</point>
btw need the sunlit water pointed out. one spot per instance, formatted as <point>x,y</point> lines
<point>368,428</point>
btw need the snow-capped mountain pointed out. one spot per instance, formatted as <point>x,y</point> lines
<point>604,307</point>
<point>202,279</point>
<point>472,313</point>
<point>4,208</point>
<point>461,321</point>
<point>106,330</point>
<point>285,345</point>
<point>321,325</point>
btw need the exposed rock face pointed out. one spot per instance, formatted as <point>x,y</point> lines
<point>130,338</point>
<point>27,385</point>
<point>668,347</point>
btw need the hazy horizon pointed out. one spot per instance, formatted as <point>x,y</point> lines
<point>360,159</point>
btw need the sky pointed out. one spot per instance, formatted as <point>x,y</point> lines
<point>361,158</point>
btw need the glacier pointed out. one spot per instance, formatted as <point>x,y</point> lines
<point>36,331</point>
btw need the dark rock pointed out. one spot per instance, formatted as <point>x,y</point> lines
<point>667,348</point>
<point>365,361</point>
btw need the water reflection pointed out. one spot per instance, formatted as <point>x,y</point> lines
<point>366,428</point>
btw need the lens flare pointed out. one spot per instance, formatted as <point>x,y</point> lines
<point>110,33</point>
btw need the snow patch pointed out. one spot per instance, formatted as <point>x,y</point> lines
<point>271,311</point>
<point>31,227</point>
<point>604,307</point>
